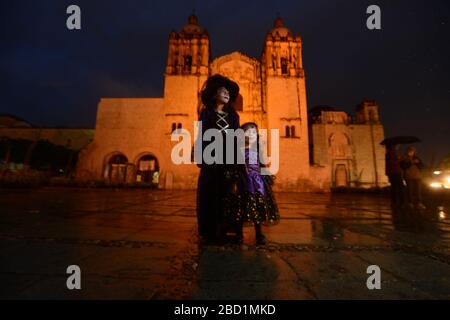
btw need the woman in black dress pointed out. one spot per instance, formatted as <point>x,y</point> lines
<point>217,96</point>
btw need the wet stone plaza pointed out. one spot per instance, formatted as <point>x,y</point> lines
<point>142,244</point>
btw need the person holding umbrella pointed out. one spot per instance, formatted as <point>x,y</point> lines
<point>394,169</point>
<point>412,166</point>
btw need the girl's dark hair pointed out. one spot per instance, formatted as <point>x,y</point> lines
<point>246,126</point>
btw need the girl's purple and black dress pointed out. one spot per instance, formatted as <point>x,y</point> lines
<point>254,202</point>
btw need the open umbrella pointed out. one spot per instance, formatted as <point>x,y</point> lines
<point>399,140</point>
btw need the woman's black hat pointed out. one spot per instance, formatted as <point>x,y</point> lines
<point>213,83</point>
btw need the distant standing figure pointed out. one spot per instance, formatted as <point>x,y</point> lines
<point>394,173</point>
<point>412,166</point>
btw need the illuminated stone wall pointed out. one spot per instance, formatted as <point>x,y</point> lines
<point>354,145</point>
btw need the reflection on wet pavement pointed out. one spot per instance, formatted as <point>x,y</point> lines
<point>142,244</point>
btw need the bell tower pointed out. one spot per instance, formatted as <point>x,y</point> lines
<point>282,54</point>
<point>187,68</point>
<point>284,94</point>
<point>189,50</point>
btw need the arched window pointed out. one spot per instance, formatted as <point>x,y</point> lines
<point>147,169</point>
<point>174,126</point>
<point>372,116</point>
<point>116,168</point>
<point>179,125</point>
<point>187,63</point>
<point>293,131</point>
<point>288,131</point>
<point>340,145</point>
<point>284,66</point>
<point>118,159</point>
<point>175,59</point>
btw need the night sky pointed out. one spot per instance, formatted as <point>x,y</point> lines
<point>51,76</point>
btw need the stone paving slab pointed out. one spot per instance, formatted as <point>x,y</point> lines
<point>142,244</point>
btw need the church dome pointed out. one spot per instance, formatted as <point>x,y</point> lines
<point>279,29</point>
<point>193,27</point>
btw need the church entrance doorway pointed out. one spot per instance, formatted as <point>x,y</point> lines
<point>147,170</point>
<point>116,169</point>
<point>341,177</point>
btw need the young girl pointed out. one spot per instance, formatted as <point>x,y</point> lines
<point>254,201</point>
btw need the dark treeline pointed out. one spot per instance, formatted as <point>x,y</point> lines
<point>41,155</point>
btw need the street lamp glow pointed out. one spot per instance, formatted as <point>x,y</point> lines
<point>446,183</point>
<point>435,185</point>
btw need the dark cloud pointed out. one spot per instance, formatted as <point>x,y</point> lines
<point>55,77</point>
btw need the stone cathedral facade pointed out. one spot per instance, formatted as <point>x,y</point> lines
<point>132,141</point>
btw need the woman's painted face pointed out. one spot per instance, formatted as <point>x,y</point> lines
<point>223,95</point>
<point>251,134</point>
